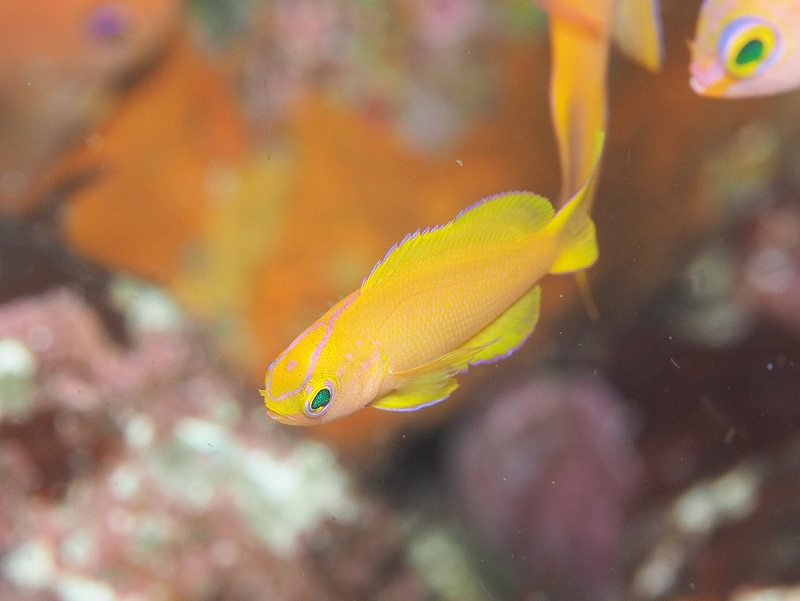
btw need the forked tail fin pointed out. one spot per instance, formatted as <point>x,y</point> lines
<point>574,228</point>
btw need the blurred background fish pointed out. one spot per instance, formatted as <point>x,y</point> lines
<point>580,37</point>
<point>746,48</point>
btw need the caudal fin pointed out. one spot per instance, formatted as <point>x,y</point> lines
<point>574,228</point>
<point>637,32</point>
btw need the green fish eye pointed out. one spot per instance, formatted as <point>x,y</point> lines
<point>748,46</point>
<point>751,52</point>
<point>320,401</point>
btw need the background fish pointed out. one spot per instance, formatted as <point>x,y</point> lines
<point>440,301</point>
<point>580,37</point>
<point>746,48</point>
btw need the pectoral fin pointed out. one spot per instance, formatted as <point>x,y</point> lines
<point>429,383</point>
<point>434,381</point>
<point>418,394</point>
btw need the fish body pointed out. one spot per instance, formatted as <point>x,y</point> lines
<point>746,48</point>
<point>443,299</point>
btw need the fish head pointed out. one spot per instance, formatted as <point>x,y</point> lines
<point>743,48</point>
<point>316,379</point>
<point>298,390</point>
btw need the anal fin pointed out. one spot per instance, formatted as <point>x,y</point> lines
<point>429,383</point>
<point>417,395</point>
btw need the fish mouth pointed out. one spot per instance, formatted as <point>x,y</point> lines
<point>714,88</point>
<point>288,420</point>
<point>696,85</point>
<point>712,82</point>
<point>282,418</point>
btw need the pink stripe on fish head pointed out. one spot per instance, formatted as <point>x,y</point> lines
<point>293,360</point>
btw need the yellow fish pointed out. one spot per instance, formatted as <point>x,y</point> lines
<point>580,35</point>
<point>746,48</point>
<point>443,299</point>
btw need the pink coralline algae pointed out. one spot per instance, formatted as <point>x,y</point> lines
<point>135,473</point>
<point>546,473</point>
<point>733,536</point>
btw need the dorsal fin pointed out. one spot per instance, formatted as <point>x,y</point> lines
<point>512,215</point>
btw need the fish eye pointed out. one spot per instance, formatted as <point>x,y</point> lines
<point>317,404</point>
<point>746,46</point>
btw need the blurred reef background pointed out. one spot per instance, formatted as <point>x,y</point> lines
<point>184,187</point>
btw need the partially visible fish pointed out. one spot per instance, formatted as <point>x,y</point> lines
<point>443,299</point>
<point>746,48</point>
<point>637,32</point>
<point>580,35</point>
<point>634,25</point>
